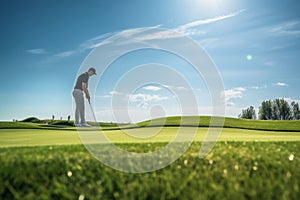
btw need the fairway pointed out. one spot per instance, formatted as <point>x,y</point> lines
<point>38,137</point>
<point>52,163</point>
<point>233,170</point>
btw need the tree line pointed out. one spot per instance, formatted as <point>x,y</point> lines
<point>278,109</point>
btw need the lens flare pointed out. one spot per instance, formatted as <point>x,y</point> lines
<point>249,57</point>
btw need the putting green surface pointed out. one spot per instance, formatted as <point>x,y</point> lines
<point>39,137</point>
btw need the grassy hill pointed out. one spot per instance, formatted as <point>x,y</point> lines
<point>19,125</point>
<point>204,121</point>
<point>57,124</point>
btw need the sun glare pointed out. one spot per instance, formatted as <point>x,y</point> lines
<point>212,5</point>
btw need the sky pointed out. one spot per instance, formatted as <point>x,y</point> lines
<point>253,44</point>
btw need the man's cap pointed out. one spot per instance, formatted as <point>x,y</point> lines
<point>92,69</point>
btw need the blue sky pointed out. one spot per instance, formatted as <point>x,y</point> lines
<point>254,44</point>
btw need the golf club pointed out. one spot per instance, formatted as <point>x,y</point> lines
<point>92,111</point>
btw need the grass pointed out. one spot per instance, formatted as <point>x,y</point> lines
<point>204,121</point>
<point>41,161</point>
<point>233,170</point>
<point>58,125</point>
<point>38,137</point>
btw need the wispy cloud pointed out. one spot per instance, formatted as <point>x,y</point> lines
<point>94,42</point>
<point>186,27</point>
<point>280,84</point>
<point>286,28</point>
<point>36,51</point>
<point>233,94</point>
<point>114,92</point>
<point>103,96</point>
<point>191,32</point>
<point>269,63</point>
<point>173,87</point>
<point>144,99</point>
<point>152,88</point>
<point>65,54</point>
<point>281,47</point>
<point>258,87</point>
<point>100,39</point>
<point>85,45</point>
<point>111,93</point>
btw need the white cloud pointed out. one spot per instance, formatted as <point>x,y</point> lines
<point>103,96</point>
<point>286,28</point>
<point>65,54</point>
<point>280,47</point>
<point>152,88</point>
<point>36,51</point>
<point>172,87</point>
<point>191,32</point>
<point>100,39</point>
<point>187,29</point>
<point>280,84</point>
<point>233,94</point>
<point>111,93</point>
<point>193,24</point>
<point>290,100</point>
<point>161,35</point>
<point>269,63</point>
<point>114,92</point>
<point>258,87</point>
<point>254,87</point>
<point>95,41</point>
<point>145,97</point>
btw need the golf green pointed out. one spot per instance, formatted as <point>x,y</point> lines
<point>39,137</point>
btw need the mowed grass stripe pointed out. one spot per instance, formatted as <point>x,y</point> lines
<point>37,137</point>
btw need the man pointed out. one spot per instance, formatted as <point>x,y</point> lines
<point>81,87</point>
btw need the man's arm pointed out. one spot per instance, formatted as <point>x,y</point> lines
<point>85,90</point>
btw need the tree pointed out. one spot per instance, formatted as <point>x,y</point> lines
<point>284,110</point>
<point>69,117</point>
<point>295,110</point>
<point>248,113</point>
<point>265,110</point>
<point>277,109</point>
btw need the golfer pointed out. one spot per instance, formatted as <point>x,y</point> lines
<point>81,87</point>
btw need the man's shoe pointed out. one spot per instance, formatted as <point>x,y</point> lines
<point>78,125</point>
<point>85,125</point>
